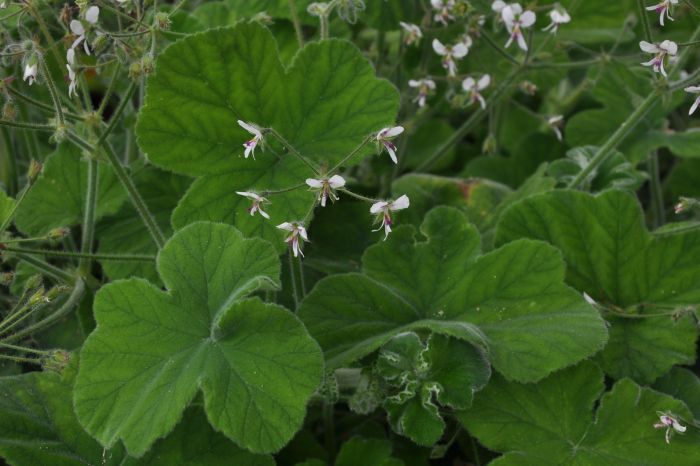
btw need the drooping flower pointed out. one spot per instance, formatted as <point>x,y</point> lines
<point>413,33</point>
<point>444,10</point>
<point>474,89</point>
<point>424,86</point>
<point>663,9</point>
<point>297,231</point>
<point>73,81</point>
<point>385,136</point>
<point>558,16</point>
<point>257,203</point>
<point>556,122</point>
<point>449,54</point>
<point>252,143</point>
<point>384,209</point>
<point>516,20</point>
<point>660,52</point>
<point>77,28</point>
<point>694,90</point>
<point>670,423</point>
<point>326,187</point>
<point>30,71</point>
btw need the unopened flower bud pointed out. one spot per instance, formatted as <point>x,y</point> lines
<point>462,8</point>
<point>162,21</point>
<point>9,110</point>
<point>348,10</point>
<point>528,87</point>
<point>686,203</point>
<point>32,282</point>
<point>262,18</point>
<point>39,297</point>
<point>317,9</point>
<point>6,278</point>
<point>490,145</point>
<point>56,291</point>
<point>58,233</point>
<point>34,171</point>
<point>147,64</point>
<point>59,135</point>
<point>56,360</point>
<point>135,70</point>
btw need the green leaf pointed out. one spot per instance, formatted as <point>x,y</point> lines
<point>57,198</point>
<point>614,259</point>
<point>512,300</point>
<point>683,385</point>
<point>387,14</point>
<point>7,204</point>
<point>444,370</point>
<point>125,233</point>
<point>331,100</point>
<point>552,422</point>
<point>254,362</point>
<point>367,452</point>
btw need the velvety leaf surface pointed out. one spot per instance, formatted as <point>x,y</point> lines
<point>324,105</point>
<point>683,385</point>
<point>552,422</point>
<point>613,258</point>
<point>511,301</point>
<point>254,362</point>
<point>58,197</point>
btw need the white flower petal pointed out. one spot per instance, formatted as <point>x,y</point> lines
<point>460,50</point>
<point>76,27</point>
<point>314,183</point>
<point>400,203</point>
<point>286,226</point>
<point>378,207</point>
<point>527,19</point>
<point>250,128</point>
<point>92,14</point>
<point>336,181</point>
<point>302,232</point>
<point>439,47</point>
<point>393,132</point>
<point>484,82</point>
<point>468,84</point>
<point>648,47</point>
<point>414,83</point>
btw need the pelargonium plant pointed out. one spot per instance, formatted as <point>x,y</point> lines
<point>349,233</point>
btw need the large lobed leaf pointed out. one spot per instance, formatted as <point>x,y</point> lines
<point>612,257</point>
<point>254,362</point>
<point>324,105</point>
<point>511,302</point>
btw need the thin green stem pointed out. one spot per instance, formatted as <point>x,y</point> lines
<point>471,122</point>
<point>357,196</point>
<point>84,255</point>
<point>684,55</point>
<point>641,9</point>
<point>47,269</point>
<point>657,195</point>
<point>499,49</point>
<point>15,93</point>
<point>28,125</point>
<point>678,230</point>
<point>293,279</point>
<point>692,7</point>
<point>302,280</point>
<point>88,233</point>
<point>351,154</point>
<point>292,150</point>
<point>110,89</point>
<point>297,24</point>
<point>324,26</point>
<point>613,141</point>
<point>19,359</point>
<point>9,162</point>
<point>23,349</point>
<point>11,214</point>
<point>329,427</point>
<point>681,84</point>
<point>46,33</point>
<point>52,91</point>
<point>281,191</point>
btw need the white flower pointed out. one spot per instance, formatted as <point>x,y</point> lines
<point>257,201</point>
<point>297,231</point>
<point>325,187</point>
<point>458,51</point>
<point>660,51</point>
<point>516,20</point>
<point>558,16</point>
<point>413,33</point>
<point>663,9</point>
<point>385,136</point>
<point>498,6</point>
<point>556,122</point>
<point>444,10</point>
<point>77,28</point>
<point>384,208</point>
<point>73,81</point>
<point>670,423</point>
<point>694,90</point>
<point>253,143</point>
<point>474,89</point>
<point>425,87</point>
<point>30,73</point>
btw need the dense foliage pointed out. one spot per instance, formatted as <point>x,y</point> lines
<point>353,233</point>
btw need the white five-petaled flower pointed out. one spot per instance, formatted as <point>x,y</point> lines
<point>556,122</point>
<point>252,143</point>
<point>384,209</point>
<point>77,28</point>
<point>660,51</point>
<point>670,423</point>
<point>425,87</point>
<point>663,9</point>
<point>516,20</point>
<point>257,203</point>
<point>30,72</point>
<point>413,33</point>
<point>474,89</point>
<point>444,10</point>
<point>558,16</point>
<point>297,231</point>
<point>458,51</point>
<point>385,136</point>
<point>694,90</point>
<point>325,187</point>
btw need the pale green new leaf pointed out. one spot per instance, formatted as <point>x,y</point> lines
<point>552,422</point>
<point>324,105</point>
<point>57,198</point>
<point>511,301</point>
<point>613,258</point>
<point>254,362</point>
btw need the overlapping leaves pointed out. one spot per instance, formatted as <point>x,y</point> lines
<point>152,351</point>
<point>324,105</point>
<point>511,302</point>
<point>650,284</point>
